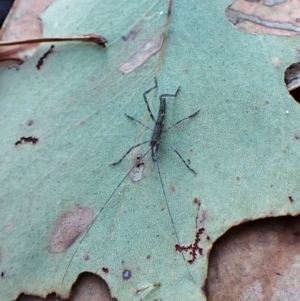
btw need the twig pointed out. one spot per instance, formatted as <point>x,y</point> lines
<point>92,38</point>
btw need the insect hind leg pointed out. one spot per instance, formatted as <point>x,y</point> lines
<point>184,162</point>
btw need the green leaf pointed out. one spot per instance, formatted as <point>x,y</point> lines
<point>241,144</point>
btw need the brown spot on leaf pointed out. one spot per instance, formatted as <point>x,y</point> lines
<point>151,47</point>
<point>193,249</point>
<point>196,201</point>
<point>68,227</point>
<point>105,270</point>
<point>32,140</point>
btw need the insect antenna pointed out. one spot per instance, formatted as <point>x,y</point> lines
<point>171,218</point>
<point>107,201</point>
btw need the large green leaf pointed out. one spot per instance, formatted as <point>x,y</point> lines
<point>241,144</point>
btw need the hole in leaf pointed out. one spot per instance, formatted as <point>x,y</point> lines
<point>88,286</point>
<point>292,80</point>
<point>257,260</point>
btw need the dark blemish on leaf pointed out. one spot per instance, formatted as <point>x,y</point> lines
<point>196,201</point>
<point>173,189</point>
<point>41,60</point>
<point>207,237</point>
<point>131,35</point>
<point>278,274</point>
<point>30,139</point>
<point>237,178</point>
<point>192,249</point>
<point>296,136</point>
<point>2,274</point>
<point>201,217</point>
<point>291,199</point>
<point>68,227</point>
<point>126,274</point>
<point>17,66</point>
<point>148,256</point>
<point>204,288</point>
<point>105,270</point>
<point>169,9</point>
<point>86,257</point>
<point>30,122</point>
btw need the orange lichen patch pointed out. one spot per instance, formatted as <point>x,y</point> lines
<point>22,22</point>
<point>68,227</point>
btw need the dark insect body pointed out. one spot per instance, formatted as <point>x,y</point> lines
<point>154,145</point>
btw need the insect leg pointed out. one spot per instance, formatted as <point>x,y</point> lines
<point>146,101</point>
<point>190,116</point>
<point>171,218</point>
<point>132,118</point>
<point>115,163</point>
<point>162,96</point>
<point>178,154</point>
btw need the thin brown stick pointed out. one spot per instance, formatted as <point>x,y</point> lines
<point>92,38</point>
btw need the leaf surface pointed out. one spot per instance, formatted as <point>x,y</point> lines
<point>242,144</point>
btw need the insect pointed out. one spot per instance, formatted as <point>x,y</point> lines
<point>154,143</point>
